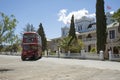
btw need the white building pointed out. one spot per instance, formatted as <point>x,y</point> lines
<point>88,35</point>
<point>109,18</point>
<point>82,24</point>
<point>64,31</point>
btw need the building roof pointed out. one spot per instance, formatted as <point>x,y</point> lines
<point>114,24</point>
<point>84,33</point>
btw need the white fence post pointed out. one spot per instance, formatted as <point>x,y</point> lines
<point>101,56</point>
<point>69,53</point>
<point>83,53</point>
<point>56,53</point>
<point>110,56</point>
<point>45,53</point>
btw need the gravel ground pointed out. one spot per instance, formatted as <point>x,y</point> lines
<point>12,68</point>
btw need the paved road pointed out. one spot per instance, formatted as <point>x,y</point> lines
<point>12,68</point>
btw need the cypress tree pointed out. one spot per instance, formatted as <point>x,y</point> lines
<point>72,30</point>
<point>43,37</point>
<point>101,26</point>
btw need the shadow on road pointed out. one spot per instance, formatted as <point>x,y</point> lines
<point>5,70</point>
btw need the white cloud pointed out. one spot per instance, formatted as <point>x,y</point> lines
<point>112,12</point>
<point>63,17</point>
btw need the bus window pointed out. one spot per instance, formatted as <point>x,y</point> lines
<point>29,36</point>
<point>30,47</point>
<point>26,47</point>
<point>34,47</point>
<point>29,40</point>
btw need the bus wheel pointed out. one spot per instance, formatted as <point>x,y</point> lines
<point>40,57</point>
<point>23,58</point>
<point>35,57</point>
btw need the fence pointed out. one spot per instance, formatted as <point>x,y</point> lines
<point>86,55</point>
<point>114,57</point>
<point>11,53</point>
<point>82,55</point>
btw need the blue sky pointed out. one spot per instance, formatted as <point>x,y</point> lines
<point>53,14</point>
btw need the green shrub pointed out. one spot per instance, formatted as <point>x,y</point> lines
<point>93,50</point>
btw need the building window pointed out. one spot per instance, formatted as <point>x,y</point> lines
<point>112,34</point>
<point>79,28</point>
<point>89,48</point>
<point>89,36</point>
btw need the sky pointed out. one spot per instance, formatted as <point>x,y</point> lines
<point>53,14</point>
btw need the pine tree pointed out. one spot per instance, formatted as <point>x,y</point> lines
<point>43,37</point>
<point>101,25</point>
<point>72,30</point>
<point>29,28</point>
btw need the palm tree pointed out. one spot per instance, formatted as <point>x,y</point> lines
<point>64,43</point>
<point>75,46</point>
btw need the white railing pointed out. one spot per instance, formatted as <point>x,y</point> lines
<point>89,55</point>
<point>82,55</point>
<point>114,57</point>
<point>11,53</point>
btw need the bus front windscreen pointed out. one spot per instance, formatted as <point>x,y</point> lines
<point>29,36</point>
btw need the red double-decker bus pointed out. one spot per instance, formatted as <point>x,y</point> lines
<point>31,46</point>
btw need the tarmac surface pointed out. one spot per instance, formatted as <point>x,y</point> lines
<point>13,68</point>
